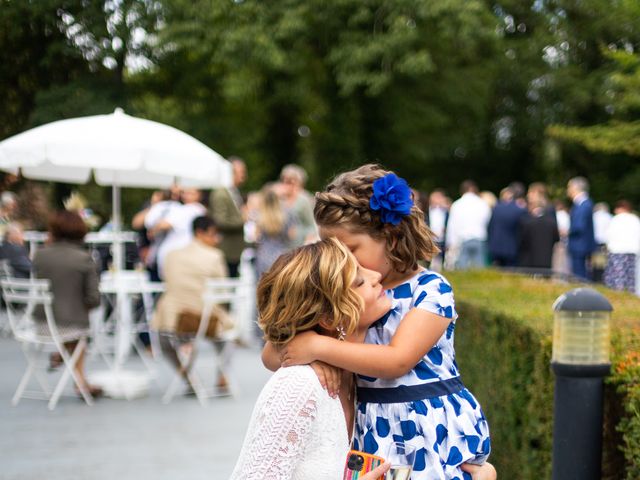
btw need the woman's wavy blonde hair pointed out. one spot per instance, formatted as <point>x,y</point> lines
<point>345,203</point>
<point>306,286</point>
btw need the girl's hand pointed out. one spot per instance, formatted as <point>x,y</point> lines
<point>377,472</point>
<point>330,377</point>
<point>300,350</point>
<point>271,357</point>
<point>480,472</point>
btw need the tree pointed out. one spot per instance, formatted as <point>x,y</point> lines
<point>602,137</point>
<point>621,134</point>
<point>330,85</point>
<point>69,58</point>
<point>34,54</point>
<point>116,35</point>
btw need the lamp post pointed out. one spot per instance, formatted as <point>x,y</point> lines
<point>580,361</point>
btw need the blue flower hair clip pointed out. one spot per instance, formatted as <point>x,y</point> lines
<point>392,198</point>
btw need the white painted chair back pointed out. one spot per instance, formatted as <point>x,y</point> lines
<point>233,293</point>
<point>38,338</point>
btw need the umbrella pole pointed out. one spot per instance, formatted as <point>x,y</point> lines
<point>118,256</point>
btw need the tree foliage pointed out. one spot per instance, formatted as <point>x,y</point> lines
<point>602,132</point>
<point>333,85</point>
<point>621,96</point>
<point>439,91</point>
<point>34,55</point>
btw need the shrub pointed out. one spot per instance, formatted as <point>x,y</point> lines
<point>503,346</point>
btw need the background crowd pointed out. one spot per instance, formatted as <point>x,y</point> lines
<point>526,230</point>
<point>186,236</point>
<point>519,228</point>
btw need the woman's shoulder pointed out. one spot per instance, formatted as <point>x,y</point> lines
<point>297,374</point>
<point>293,386</point>
<point>57,249</point>
<point>76,251</point>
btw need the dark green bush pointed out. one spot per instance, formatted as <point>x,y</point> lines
<point>503,346</point>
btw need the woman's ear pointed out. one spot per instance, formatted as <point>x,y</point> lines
<point>325,328</point>
<point>325,324</point>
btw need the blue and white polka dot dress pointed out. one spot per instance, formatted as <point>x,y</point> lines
<point>429,407</point>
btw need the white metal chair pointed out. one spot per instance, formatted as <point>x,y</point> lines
<point>235,292</point>
<point>5,273</point>
<point>37,339</point>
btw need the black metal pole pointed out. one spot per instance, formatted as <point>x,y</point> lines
<point>577,421</point>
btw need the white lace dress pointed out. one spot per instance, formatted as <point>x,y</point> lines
<point>297,431</point>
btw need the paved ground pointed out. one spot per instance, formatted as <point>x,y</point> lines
<point>118,439</point>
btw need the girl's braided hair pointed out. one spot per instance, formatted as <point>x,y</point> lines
<point>345,203</point>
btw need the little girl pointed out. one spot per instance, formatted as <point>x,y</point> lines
<point>408,385</point>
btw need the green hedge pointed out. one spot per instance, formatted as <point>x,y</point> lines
<point>503,346</point>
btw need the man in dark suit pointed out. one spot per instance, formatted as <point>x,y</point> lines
<point>503,230</point>
<point>581,238</point>
<point>538,230</point>
<point>228,210</point>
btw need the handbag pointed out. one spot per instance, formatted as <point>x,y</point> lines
<point>189,322</point>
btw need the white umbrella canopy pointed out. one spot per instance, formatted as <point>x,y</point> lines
<point>120,151</point>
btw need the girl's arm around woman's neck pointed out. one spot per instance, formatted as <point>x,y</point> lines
<point>417,333</point>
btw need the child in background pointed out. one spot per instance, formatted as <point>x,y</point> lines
<point>408,383</point>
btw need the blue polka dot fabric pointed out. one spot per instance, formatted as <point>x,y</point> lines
<point>446,431</point>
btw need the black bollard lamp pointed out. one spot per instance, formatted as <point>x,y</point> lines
<point>580,361</point>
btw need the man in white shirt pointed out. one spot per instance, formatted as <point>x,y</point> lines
<point>601,219</point>
<point>174,222</point>
<point>467,228</point>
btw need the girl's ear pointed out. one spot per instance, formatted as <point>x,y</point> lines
<point>392,241</point>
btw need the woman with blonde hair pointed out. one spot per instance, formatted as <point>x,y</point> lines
<point>297,430</point>
<point>275,229</point>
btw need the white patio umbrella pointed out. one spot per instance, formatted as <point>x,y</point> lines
<point>119,150</point>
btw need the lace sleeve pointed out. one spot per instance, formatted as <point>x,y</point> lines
<point>280,426</point>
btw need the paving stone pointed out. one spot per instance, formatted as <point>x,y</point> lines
<point>119,439</point>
